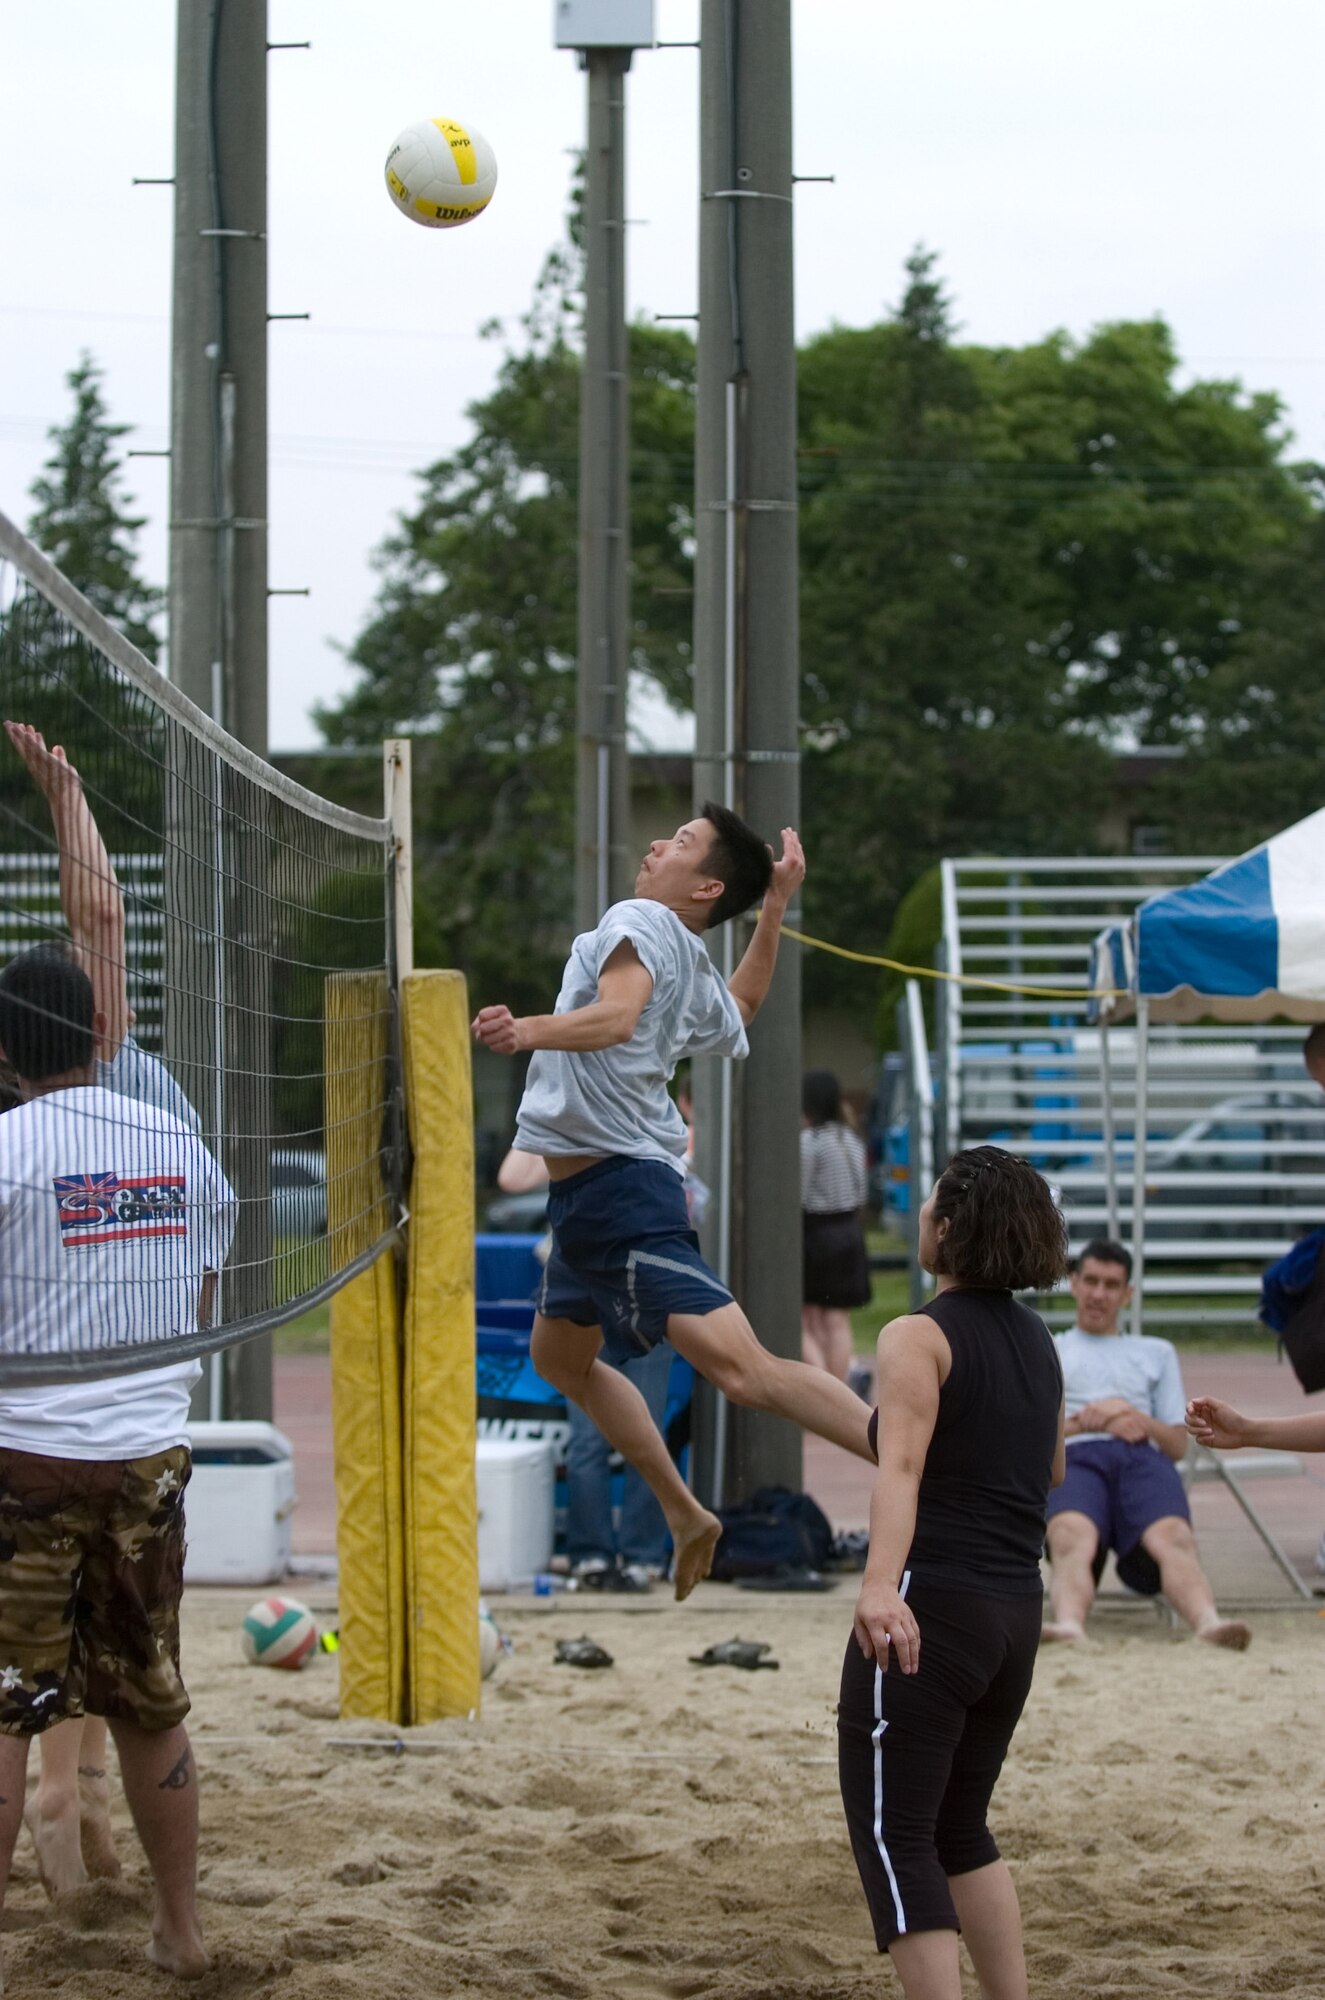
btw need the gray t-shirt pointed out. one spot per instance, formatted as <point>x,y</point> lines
<point>1136,1366</point>
<point>131,1072</point>
<point>615,1101</point>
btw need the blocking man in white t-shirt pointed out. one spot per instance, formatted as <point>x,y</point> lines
<point>638,995</point>
<point>114,1221</point>
<point>68,1812</point>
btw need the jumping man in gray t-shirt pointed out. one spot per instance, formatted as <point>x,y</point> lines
<point>638,995</point>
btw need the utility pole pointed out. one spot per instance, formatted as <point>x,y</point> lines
<point>747,1115</point>
<point>217,1019</point>
<point>606,33</point>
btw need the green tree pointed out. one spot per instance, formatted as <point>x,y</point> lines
<point>54,677</point>
<point>80,522</point>
<point>1014,561</point>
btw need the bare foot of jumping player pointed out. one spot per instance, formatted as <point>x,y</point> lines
<point>693,1550</point>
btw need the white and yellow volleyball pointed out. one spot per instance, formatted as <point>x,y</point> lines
<point>441,173</point>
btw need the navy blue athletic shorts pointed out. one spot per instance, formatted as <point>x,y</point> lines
<point>624,1256</point>
<point>1123,1488</point>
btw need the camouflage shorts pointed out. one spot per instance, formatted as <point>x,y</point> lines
<point>91,1571</point>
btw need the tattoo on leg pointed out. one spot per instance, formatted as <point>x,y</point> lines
<point>90,1771</point>
<point>176,1779</point>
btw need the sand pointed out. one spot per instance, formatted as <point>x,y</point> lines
<point>660,1832</point>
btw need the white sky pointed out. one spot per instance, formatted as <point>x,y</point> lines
<point>1072,161</point>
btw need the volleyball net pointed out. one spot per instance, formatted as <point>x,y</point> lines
<point>238,933</point>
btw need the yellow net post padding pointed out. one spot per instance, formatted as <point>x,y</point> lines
<point>440,1391</point>
<point>365,1357</point>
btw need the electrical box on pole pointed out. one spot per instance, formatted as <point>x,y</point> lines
<point>603,24</point>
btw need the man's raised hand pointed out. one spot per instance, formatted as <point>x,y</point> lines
<point>789,872</point>
<point>496,1028</point>
<point>50,770</point>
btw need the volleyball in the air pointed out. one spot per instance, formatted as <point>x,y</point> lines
<point>441,173</point>
<point>489,1643</point>
<point>278,1632</point>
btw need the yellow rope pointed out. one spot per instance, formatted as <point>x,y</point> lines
<point>956,978</point>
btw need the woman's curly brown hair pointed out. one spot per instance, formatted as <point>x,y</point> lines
<point>1005,1231</point>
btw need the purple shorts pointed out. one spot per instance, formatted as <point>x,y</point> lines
<point>1123,1488</point>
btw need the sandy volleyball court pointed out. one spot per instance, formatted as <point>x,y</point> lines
<point>662,1832</point>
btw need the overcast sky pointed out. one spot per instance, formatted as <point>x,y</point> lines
<point>1071,163</point>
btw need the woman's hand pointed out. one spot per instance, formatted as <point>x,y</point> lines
<point>884,1624</point>
<point>1217,1424</point>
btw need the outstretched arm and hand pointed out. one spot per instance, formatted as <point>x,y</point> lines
<point>90,896</point>
<point>1223,1428</point>
<point>912,1353</point>
<point>752,978</point>
<point>624,986</point>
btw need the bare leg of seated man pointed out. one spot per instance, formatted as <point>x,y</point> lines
<point>566,1355</point>
<point>1073,1540</point>
<point>1173,1545</point>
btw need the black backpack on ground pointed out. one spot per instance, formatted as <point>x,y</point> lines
<point>774,1530</point>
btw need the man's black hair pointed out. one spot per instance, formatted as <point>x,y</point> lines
<point>741,861</point>
<point>1104,1250</point>
<point>46,1014</point>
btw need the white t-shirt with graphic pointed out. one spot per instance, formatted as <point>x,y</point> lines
<point>615,1101</point>
<point>1137,1366</point>
<point>112,1211</point>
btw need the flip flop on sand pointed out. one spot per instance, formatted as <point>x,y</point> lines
<point>747,1653</point>
<point>582,1652</point>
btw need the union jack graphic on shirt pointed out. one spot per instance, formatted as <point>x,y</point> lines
<point>119,1208</point>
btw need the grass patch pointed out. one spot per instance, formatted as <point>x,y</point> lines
<point>309,1334</point>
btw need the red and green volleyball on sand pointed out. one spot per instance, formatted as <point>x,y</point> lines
<point>278,1632</point>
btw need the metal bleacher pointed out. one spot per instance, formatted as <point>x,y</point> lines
<point>1235,1129</point>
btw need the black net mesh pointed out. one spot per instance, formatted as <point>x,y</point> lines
<point>241,1117</point>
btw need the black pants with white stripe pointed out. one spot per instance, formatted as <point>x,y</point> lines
<point>919,1754</point>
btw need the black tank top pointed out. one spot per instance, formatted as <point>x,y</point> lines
<point>980,1513</point>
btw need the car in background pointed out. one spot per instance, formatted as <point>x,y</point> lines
<point>1269,1133</point>
<point>298,1193</point>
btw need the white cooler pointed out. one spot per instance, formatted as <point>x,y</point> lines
<point>239,1503</point>
<point>516,1506</point>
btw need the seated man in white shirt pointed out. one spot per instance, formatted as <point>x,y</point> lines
<point>1126,1428</point>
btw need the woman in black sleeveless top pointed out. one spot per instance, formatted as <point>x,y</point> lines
<point>969,1437</point>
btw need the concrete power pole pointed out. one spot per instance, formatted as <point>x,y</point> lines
<point>747,674</point>
<point>218,615</point>
<point>606,36</point>
<point>602,779</point>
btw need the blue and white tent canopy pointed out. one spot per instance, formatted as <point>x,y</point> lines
<point>1244,944</point>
